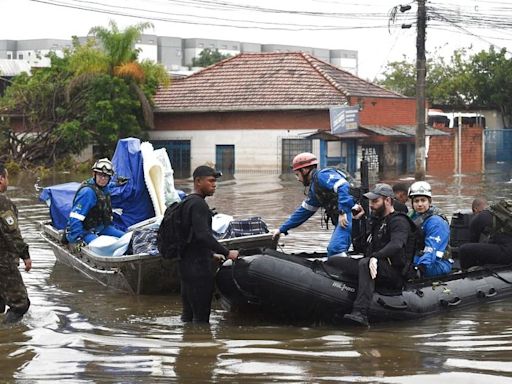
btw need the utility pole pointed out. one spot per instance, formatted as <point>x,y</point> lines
<point>421,71</point>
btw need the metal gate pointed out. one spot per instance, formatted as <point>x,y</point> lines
<point>498,145</point>
<point>290,148</point>
<point>225,160</point>
<point>179,154</point>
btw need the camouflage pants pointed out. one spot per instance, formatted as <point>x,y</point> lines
<point>12,290</point>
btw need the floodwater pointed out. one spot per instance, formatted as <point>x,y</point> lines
<point>80,332</point>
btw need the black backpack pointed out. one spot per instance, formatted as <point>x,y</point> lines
<point>171,238</point>
<point>502,217</point>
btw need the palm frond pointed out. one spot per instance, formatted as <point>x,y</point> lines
<point>131,70</point>
<point>78,82</point>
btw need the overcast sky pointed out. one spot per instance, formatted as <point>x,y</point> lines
<point>360,25</point>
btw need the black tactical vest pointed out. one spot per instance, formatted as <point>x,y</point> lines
<point>379,235</point>
<point>101,213</point>
<point>327,198</point>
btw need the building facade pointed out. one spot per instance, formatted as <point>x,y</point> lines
<point>174,53</point>
<point>252,113</point>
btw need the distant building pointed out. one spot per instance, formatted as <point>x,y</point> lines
<point>34,51</point>
<point>174,53</point>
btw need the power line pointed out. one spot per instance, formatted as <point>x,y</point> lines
<point>265,25</point>
<point>495,15</point>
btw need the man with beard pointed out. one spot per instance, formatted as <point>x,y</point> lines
<point>388,253</point>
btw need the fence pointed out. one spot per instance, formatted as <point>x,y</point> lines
<point>498,145</point>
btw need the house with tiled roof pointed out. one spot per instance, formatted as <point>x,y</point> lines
<point>253,112</point>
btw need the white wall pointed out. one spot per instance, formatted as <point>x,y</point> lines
<point>493,119</point>
<point>148,51</point>
<point>256,151</point>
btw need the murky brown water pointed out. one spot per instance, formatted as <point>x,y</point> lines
<point>79,332</point>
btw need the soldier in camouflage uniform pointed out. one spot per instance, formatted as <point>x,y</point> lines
<point>12,248</point>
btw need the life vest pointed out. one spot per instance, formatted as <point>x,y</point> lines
<point>379,235</point>
<point>327,198</point>
<point>420,233</point>
<point>101,213</point>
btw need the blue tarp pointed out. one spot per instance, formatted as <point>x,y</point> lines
<point>60,200</point>
<point>131,198</point>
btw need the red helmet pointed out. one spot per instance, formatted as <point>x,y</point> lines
<point>303,160</point>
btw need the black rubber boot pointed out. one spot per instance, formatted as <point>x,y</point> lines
<point>2,306</point>
<point>358,318</point>
<point>12,317</point>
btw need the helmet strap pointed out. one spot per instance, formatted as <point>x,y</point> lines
<point>306,175</point>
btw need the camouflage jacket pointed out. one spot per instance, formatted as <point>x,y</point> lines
<point>12,244</point>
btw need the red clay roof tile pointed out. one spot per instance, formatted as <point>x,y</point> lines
<point>262,81</point>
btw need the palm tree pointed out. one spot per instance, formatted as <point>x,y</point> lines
<point>119,47</point>
<point>117,57</point>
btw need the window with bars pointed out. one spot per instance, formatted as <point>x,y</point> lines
<point>290,148</point>
<point>179,154</point>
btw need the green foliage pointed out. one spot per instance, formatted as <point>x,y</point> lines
<point>40,99</point>
<point>88,58</point>
<point>74,135</point>
<point>400,77</point>
<point>113,112</point>
<point>12,167</point>
<point>156,76</point>
<point>119,45</point>
<point>96,94</point>
<point>208,57</point>
<point>491,81</point>
<point>482,79</point>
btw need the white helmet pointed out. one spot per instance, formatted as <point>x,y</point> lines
<point>420,188</point>
<point>103,165</point>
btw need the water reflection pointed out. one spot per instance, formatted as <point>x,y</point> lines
<point>198,354</point>
<point>78,331</point>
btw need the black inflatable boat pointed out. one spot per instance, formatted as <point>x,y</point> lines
<point>302,288</point>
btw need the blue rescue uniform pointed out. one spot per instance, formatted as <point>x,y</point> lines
<point>84,201</point>
<point>436,232</point>
<point>330,180</point>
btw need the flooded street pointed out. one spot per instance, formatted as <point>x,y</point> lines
<point>77,331</point>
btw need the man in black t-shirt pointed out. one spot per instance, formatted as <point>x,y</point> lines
<point>401,191</point>
<point>196,270</point>
<point>481,223</point>
<point>486,246</point>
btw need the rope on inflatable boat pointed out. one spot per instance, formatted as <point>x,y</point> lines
<point>250,297</point>
<point>495,274</point>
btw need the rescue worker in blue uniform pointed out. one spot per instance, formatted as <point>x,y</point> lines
<point>329,189</point>
<point>91,214</point>
<point>431,258</point>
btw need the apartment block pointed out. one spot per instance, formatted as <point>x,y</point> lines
<point>175,53</point>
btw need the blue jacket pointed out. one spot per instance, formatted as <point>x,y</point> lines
<point>83,202</point>
<point>329,179</point>
<point>437,235</point>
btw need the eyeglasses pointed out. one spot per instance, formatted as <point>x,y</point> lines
<point>103,175</point>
